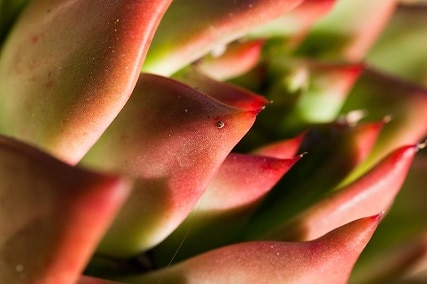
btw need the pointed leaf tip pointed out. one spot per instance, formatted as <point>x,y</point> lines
<point>191,29</point>
<point>328,259</point>
<point>225,92</point>
<point>375,191</point>
<point>70,78</point>
<point>172,139</point>
<point>73,210</point>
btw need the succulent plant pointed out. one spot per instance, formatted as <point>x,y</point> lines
<point>213,141</point>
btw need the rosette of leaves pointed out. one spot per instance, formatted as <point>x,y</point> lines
<point>213,141</point>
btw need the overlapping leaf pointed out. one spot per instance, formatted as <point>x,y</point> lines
<point>191,29</point>
<point>373,192</point>
<point>401,48</point>
<point>328,259</point>
<point>70,78</point>
<point>52,215</point>
<point>173,139</point>
<point>348,32</point>
<point>236,190</point>
<point>333,152</point>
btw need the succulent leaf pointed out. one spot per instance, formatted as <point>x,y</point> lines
<point>334,151</point>
<point>380,96</point>
<point>191,29</point>
<point>328,259</point>
<point>237,59</point>
<point>394,252</point>
<point>51,240</point>
<point>373,192</point>
<point>283,149</point>
<point>349,31</point>
<point>237,188</point>
<point>293,26</point>
<point>185,135</point>
<point>70,79</point>
<point>405,34</point>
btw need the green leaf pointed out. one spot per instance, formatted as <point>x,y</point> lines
<point>172,139</point>
<point>328,259</point>
<point>71,77</point>
<point>400,49</point>
<point>193,28</point>
<point>52,215</point>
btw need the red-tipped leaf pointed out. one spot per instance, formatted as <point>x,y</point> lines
<point>193,28</point>
<point>328,259</point>
<point>236,190</point>
<point>63,80</point>
<point>373,192</point>
<point>172,139</point>
<point>53,215</point>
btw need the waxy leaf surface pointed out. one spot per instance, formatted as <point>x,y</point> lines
<point>349,31</point>
<point>237,188</point>
<point>193,28</point>
<point>401,48</point>
<point>70,78</point>
<point>380,96</point>
<point>402,232</point>
<point>328,259</point>
<point>53,215</point>
<point>237,59</point>
<point>333,151</point>
<point>293,26</point>
<point>373,192</point>
<point>173,139</point>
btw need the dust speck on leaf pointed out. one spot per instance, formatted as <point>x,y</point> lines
<point>220,124</point>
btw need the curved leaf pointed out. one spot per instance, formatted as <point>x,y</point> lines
<point>401,48</point>
<point>192,28</point>
<point>349,31</point>
<point>70,78</point>
<point>333,151</point>
<point>402,231</point>
<point>294,25</point>
<point>328,259</point>
<point>173,139</point>
<point>373,192</point>
<point>237,59</point>
<point>52,215</point>
<point>283,149</point>
<point>237,188</point>
<point>381,95</point>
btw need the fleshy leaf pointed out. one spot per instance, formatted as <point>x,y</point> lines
<point>405,34</point>
<point>373,192</point>
<point>328,259</point>
<point>173,139</point>
<point>238,58</point>
<point>333,151</point>
<point>236,190</point>
<point>70,78</point>
<point>349,31</point>
<point>53,215</point>
<point>222,91</point>
<point>283,149</point>
<point>396,263</point>
<point>380,96</point>
<point>405,224</point>
<point>304,93</point>
<point>192,28</point>
<point>325,94</point>
<point>293,26</point>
